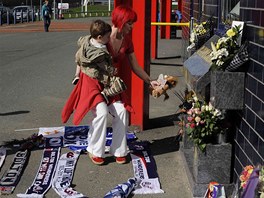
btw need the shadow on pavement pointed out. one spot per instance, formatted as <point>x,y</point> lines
<point>165,145</point>
<point>164,121</point>
<point>13,113</point>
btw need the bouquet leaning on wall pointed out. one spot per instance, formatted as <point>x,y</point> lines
<point>226,54</point>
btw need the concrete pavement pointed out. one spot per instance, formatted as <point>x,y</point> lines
<point>37,68</point>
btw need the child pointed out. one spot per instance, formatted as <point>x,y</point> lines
<point>94,60</point>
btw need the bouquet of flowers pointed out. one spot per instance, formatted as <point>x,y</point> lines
<point>245,176</point>
<point>200,34</point>
<point>224,51</point>
<point>203,123</point>
<point>252,181</point>
<point>261,182</point>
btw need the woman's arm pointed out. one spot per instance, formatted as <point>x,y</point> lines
<point>137,69</point>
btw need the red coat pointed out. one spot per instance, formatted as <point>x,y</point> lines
<point>87,93</point>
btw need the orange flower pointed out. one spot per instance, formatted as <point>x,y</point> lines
<point>247,171</point>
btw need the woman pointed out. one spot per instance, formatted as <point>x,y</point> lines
<point>87,95</point>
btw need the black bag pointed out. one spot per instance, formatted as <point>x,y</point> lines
<point>239,59</point>
<point>46,12</point>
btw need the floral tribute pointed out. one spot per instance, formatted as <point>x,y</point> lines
<point>225,49</point>
<point>203,123</point>
<point>261,182</point>
<point>200,34</point>
<point>245,176</point>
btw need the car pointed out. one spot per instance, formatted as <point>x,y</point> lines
<point>6,13</point>
<point>25,11</point>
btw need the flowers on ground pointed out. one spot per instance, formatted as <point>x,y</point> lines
<point>245,175</point>
<point>225,49</point>
<point>203,122</point>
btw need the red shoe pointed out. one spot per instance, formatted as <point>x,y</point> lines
<point>121,160</point>
<point>96,160</point>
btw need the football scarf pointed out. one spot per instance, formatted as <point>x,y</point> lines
<point>2,156</point>
<point>122,190</point>
<point>75,137</point>
<point>11,178</point>
<point>145,170</point>
<point>63,176</point>
<point>45,174</point>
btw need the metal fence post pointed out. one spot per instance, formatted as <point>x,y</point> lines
<point>15,16</point>
<point>27,15</point>
<point>0,17</point>
<point>191,25</point>
<point>7,17</point>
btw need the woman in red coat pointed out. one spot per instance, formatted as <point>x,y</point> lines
<point>87,95</point>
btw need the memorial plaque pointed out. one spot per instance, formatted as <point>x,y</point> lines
<point>197,66</point>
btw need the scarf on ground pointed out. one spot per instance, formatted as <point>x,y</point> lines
<point>45,174</point>
<point>11,178</point>
<point>63,176</point>
<point>145,170</point>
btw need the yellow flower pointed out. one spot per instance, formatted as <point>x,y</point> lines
<point>230,33</point>
<point>217,45</point>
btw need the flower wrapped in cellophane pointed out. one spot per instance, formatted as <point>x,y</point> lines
<point>226,53</point>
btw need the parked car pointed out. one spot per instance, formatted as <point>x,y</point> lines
<point>6,13</point>
<point>27,13</point>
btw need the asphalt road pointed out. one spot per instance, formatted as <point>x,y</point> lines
<point>35,81</point>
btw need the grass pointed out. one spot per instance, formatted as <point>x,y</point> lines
<point>91,8</point>
<point>92,11</point>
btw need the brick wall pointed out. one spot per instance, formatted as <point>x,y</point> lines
<point>249,137</point>
<point>249,140</point>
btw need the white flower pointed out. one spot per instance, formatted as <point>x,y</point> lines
<point>197,119</point>
<point>213,47</point>
<point>210,107</point>
<point>219,62</point>
<point>223,40</point>
<point>195,99</point>
<point>217,112</point>
<point>219,54</point>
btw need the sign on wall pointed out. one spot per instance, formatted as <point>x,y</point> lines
<point>63,6</point>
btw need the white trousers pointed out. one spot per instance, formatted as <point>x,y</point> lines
<point>97,132</point>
